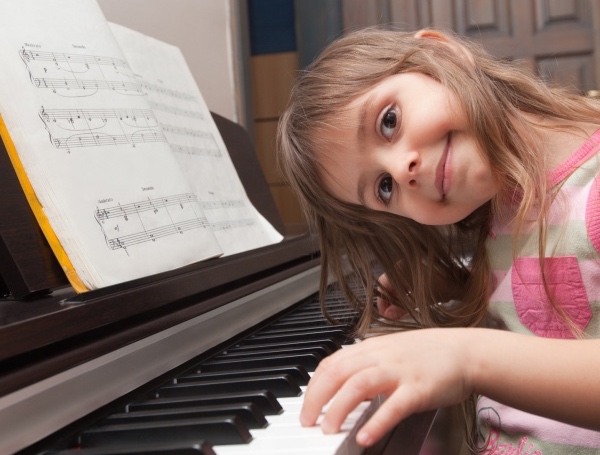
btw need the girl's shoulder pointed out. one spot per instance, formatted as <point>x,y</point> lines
<point>588,150</point>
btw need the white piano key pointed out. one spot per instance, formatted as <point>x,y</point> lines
<point>285,434</point>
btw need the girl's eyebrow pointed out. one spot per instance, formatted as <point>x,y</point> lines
<point>360,189</point>
<point>361,136</point>
<point>363,115</point>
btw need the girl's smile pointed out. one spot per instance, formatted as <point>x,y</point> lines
<point>405,147</point>
<point>442,179</point>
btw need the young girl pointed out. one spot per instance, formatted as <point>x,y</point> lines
<point>475,189</point>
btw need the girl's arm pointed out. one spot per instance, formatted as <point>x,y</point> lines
<point>432,368</point>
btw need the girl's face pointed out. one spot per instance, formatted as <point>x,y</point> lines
<point>405,147</point>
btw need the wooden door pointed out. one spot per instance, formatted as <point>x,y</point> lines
<point>556,38</point>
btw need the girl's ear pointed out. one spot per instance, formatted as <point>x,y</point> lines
<point>456,47</point>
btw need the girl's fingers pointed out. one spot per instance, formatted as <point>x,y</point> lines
<point>402,403</point>
<point>362,386</point>
<point>417,370</point>
<point>327,379</point>
<point>332,375</point>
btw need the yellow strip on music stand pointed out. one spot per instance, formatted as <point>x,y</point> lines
<point>38,212</point>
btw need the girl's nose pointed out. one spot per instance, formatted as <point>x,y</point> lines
<point>405,168</point>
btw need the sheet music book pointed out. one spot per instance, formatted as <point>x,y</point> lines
<point>115,147</point>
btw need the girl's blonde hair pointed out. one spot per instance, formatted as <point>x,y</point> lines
<point>424,264</point>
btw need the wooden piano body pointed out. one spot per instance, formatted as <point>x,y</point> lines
<point>68,359</point>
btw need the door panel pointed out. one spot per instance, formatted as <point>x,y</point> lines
<point>556,38</point>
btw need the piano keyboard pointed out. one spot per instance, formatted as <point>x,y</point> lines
<point>284,435</point>
<point>244,400</point>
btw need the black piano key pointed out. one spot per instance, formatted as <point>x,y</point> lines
<point>295,335</point>
<point>201,448</point>
<point>280,385</point>
<point>335,331</point>
<point>301,323</point>
<point>320,350</point>
<point>263,399</point>
<point>332,344</point>
<point>247,412</point>
<point>307,360</point>
<point>225,430</point>
<point>308,317</point>
<point>297,372</point>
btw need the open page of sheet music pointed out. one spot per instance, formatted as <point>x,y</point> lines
<point>99,158</point>
<point>188,127</point>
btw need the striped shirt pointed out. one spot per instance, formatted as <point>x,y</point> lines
<point>519,302</point>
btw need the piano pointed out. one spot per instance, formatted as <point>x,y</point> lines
<point>211,358</point>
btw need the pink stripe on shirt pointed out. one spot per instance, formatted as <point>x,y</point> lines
<point>584,153</point>
<point>519,422</point>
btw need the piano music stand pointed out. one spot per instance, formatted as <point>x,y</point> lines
<point>27,264</point>
<point>239,145</point>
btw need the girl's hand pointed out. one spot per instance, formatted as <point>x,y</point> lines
<point>385,308</point>
<point>418,370</point>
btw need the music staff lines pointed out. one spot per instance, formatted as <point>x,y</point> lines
<point>157,233</point>
<point>72,115</point>
<point>101,139</point>
<point>204,142</point>
<point>211,152</point>
<point>160,90</point>
<point>125,225</point>
<point>217,205</point>
<point>86,84</point>
<point>204,136</point>
<point>79,75</point>
<point>176,110</point>
<point>81,59</point>
<point>231,224</point>
<point>70,128</point>
<point>152,205</point>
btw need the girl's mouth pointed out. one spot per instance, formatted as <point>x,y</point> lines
<point>441,175</point>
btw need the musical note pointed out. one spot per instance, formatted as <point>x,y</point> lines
<point>98,127</point>
<point>222,204</point>
<point>140,228</point>
<point>231,224</point>
<point>150,87</point>
<point>59,58</point>
<point>65,76</point>
<point>126,241</point>
<point>145,205</point>
<point>189,113</point>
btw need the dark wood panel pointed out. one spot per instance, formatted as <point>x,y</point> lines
<point>550,13</point>
<point>27,264</point>
<point>358,13</point>
<point>483,18</point>
<point>575,71</point>
<point>556,38</point>
<point>242,153</point>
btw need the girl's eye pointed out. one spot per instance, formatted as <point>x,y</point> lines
<point>384,190</point>
<point>389,122</point>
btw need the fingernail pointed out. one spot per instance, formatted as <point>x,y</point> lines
<point>304,420</point>
<point>363,438</point>
<point>326,427</point>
